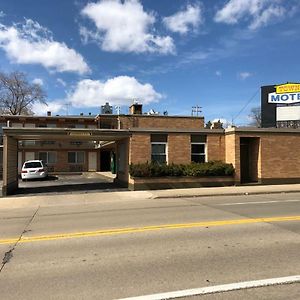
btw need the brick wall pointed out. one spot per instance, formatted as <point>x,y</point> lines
<point>179,148</point>
<point>141,121</point>
<point>140,148</point>
<point>280,156</point>
<point>216,147</point>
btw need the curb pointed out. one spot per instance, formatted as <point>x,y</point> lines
<point>226,194</point>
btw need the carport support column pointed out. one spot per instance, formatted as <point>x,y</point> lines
<point>10,165</point>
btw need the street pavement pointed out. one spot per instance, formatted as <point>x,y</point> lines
<point>109,247</point>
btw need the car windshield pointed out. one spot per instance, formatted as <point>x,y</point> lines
<point>33,164</point>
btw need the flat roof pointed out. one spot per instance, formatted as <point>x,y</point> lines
<point>37,133</point>
<point>261,130</point>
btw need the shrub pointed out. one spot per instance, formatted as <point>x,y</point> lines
<point>212,168</point>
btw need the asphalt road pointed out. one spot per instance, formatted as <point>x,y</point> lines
<point>135,247</point>
<point>89,182</point>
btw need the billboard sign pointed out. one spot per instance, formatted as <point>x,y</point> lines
<point>285,94</point>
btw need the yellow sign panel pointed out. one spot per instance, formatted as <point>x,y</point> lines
<point>288,88</point>
<point>79,133</point>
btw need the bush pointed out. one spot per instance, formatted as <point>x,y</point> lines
<point>212,168</point>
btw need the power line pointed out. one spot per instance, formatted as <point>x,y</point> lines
<point>247,103</point>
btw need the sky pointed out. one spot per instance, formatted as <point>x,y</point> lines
<point>169,55</point>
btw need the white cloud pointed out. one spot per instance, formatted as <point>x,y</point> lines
<point>119,90</point>
<point>61,81</point>
<point>38,81</point>
<point>30,43</point>
<point>124,27</point>
<point>259,12</point>
<point>244,75</point>
<point>41,109</point>
<point>184,20</point>
<point>225,122</point>
<point>268,14</point>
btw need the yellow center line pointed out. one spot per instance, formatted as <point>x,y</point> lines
<point>27,239</point>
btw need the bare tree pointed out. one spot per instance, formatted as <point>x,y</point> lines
<point>255,116</point>
<point>17,95</point>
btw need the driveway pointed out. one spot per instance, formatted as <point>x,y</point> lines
<point>79,183</point>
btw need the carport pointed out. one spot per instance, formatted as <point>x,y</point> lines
<point>11,137</point>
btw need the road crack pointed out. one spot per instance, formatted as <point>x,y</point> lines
<point>8,255</point>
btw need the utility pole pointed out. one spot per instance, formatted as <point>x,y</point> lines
<point>196,110</point>
<point>118,109</point>
<point>67,105</point>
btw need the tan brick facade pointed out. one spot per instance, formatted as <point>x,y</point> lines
<point>163,122</point>
<point>232,153</point>
<point>280,157</point>
<point>179,148</point>
<point>215,147</point>
<point>139,148</point>
<point>272,155</point>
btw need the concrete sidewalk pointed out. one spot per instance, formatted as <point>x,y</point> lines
<point>119,196</point>
<point>228,190</point>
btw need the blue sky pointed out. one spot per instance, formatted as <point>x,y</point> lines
<point>169,54</point>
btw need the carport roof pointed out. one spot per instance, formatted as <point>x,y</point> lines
<point>66,133</point>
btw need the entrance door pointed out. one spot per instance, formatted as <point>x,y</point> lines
<point>245,163</point>
<point>93,161</point>
<point>249,149</point>
<point>105,161</point>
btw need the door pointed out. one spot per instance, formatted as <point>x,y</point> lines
<point>93,161</point>
<point>249,150</point>
<point>245,171</point>
<point>105,161</point>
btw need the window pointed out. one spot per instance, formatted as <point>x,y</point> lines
<point>159,148</point>
<point>198,148</point>
<point>76,157</point>
<point>77,143</point>
<point>48,142</point>
<point>33,164</point>
<point>48,157</point>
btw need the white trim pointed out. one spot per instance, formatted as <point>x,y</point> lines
<point>166,150</point>
<point>219,288</point>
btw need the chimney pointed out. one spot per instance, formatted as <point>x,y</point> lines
<point>136,109</point>
<point>48,113</point>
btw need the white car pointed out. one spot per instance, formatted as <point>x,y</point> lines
<point>34,169</point>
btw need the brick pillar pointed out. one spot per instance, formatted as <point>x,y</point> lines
<point>122,158</point>
<point>232,153</point>
<point>10,165</point>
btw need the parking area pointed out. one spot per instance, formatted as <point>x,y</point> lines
<point>70,183</point>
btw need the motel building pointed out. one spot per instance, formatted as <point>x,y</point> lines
<point>105,142</point>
